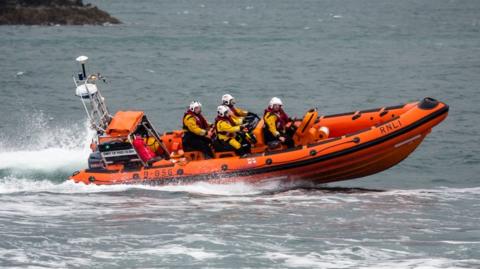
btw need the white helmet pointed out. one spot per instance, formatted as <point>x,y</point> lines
<point>194,104</point>
<point>227,99</point>
<point>222,110</point>
<point>275,101</point>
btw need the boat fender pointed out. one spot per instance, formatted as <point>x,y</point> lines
<point>142,149</point>
<point>323,132</point>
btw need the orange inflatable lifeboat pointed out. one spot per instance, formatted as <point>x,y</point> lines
<point>327,148</point>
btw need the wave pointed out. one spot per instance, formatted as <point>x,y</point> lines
<point>40,147</point>
<point>11,185</point>
<point>243,191</point>
<point>444,193</point>
<point>363,257</point>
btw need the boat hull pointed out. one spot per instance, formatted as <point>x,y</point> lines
<point>353,155</point>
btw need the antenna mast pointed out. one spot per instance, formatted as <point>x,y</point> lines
<point>92,99</point>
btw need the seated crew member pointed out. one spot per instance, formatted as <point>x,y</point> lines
<point>238,113</point>
<point>229,101</point>
<point>196,134</point>
<point>228,132</point>
<point>275,127</point>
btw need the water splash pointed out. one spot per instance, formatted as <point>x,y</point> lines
<point>16,185</point>
<point>42,147</point>
<point>13,185</point>
<point>267,189</point>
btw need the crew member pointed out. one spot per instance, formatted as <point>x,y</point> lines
<point>238,114</point>
<point>229,132</point>
<point>275,127</point>
<point>196,131</point>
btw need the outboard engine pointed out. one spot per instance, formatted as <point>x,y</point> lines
<point>95,161</point>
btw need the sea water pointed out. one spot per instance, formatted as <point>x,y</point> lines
<point>336,55</point>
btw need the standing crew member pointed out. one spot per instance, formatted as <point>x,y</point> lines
<point>275,128</point>
<point>195,127</point>
<point>238,114</point>
<point>228,132</point>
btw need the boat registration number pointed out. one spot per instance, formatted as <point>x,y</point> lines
<point>157,173</point>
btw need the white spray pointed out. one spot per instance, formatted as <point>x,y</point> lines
<point>45,148</point>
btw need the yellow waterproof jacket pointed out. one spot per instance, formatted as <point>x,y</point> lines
<point>237,120</point>
<point>190,124</point>
<point>238,114</point>
<point>225,129</point>
<point>270,120</point>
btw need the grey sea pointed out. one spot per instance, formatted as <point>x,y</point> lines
<point>336,55</point>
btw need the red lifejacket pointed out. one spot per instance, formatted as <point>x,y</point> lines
<point>282,118</point>
<point>201,121</point>
<point>229,119</point>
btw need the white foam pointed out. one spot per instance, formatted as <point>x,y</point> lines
<point>310,260</point>
<point>365,258</point>
<point>421,263</point>
<point>15,185</point>
<point>444,193</point>
<point>50,159</point>
<point>10,185</point>
<point>233,189</point>
<point>191,238</point>
<point>197,254</point>
<point>104,255</point>
<point>45,148</point>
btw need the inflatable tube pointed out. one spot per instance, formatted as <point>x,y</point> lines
<point>335,148</point>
